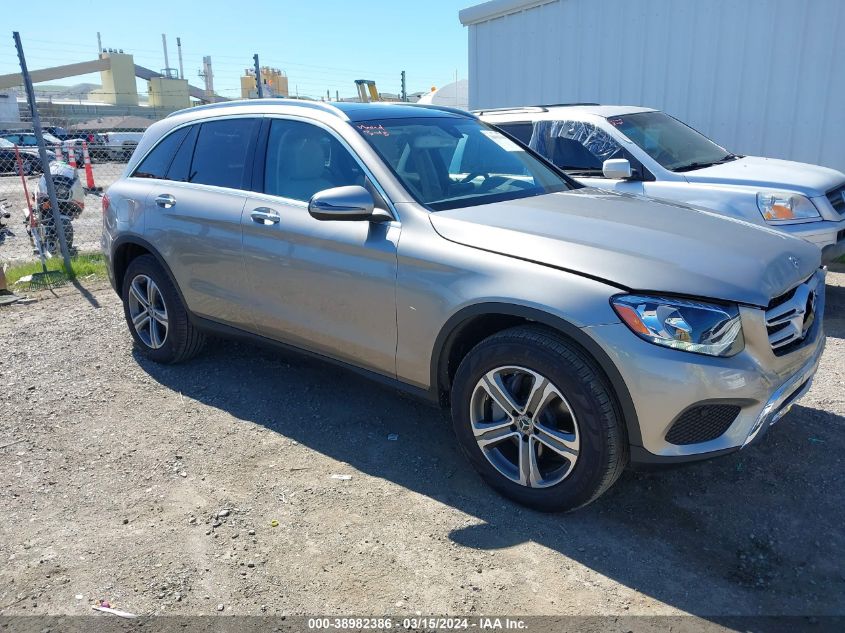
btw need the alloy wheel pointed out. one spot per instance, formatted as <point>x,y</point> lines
<point>148,311</point>
<point>524,426</point>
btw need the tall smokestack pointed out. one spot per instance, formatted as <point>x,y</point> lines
<point>181,67</point>
<point>164,44</point>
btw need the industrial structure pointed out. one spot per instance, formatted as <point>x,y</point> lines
<point>759,77</point>
<point>274,83</point>
<point>167,89</point>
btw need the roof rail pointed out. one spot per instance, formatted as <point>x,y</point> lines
<point>566,105</point>
<point>511,109</point>
<point>300,103</point>
<point>533,108</point>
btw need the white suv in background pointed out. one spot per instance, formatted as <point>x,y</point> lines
<point>644,151</point>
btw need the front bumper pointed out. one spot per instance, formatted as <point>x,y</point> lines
<point>828,235</point>
<point>663,383</point>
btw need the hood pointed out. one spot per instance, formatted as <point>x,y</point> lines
<point>753,171</point>
<point>638,243</point>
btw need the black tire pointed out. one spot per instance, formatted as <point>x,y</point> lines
<point>603,452</point>
<point>183,340</point>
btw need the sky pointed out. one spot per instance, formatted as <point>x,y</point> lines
<point>320,44</point>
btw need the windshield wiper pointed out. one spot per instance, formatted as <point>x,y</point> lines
<point>692,166</point>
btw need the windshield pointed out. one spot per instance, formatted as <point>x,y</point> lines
<point>668,141</point>
<point>49,138</point>
<point>449,163</point>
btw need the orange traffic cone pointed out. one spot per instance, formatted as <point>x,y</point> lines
<point>89,171</point>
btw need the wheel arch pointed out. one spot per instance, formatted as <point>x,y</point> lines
<point>128,248</point>
<point>470,325</point>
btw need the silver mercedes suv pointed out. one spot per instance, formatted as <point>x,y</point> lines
<point>572,331</point>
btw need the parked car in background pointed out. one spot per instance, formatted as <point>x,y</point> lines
<point>30,160</point>
<point>58,132</point>
<point>97,148</point>
<point>28,140</point>
<point>645,151</point>
<point>571,331</point>
<point>120,145</point>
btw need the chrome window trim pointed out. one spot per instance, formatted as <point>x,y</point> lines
<point>184,125</point>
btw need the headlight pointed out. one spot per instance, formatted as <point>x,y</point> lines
<point>782,206</point>
<point>691,326</point>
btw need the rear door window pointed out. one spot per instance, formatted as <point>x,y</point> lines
<point>222,153</point>
<point>157,162</point>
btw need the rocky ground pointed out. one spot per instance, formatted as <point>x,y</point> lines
<point>253,482</point>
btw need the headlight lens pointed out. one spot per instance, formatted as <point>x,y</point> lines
<point>781,206</point>
<point>691,326</point>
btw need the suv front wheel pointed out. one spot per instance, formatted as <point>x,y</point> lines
<point>537,420</point>
<point>155,314</point>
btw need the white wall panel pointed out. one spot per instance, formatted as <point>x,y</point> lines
<point>763,77</point>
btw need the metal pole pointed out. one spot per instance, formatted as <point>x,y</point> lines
<point>99,45</point>
<point>42,152</point>
<point>258,76</point>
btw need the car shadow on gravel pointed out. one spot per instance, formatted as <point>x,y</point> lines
<point>834,313</point>
<point>755,532</point>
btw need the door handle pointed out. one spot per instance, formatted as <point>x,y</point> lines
<point>165,200</point>
<point>263,215</point>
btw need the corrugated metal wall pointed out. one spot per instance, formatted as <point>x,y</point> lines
<point>762,77</point>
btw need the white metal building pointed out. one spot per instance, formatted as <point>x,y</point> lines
<point>761,77</point>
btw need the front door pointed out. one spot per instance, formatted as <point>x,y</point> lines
<point>327,286</point>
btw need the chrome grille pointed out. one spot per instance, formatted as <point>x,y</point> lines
<point>837,199</point>
<point>790,316</point>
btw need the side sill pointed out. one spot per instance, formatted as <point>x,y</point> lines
<point>215,328</point>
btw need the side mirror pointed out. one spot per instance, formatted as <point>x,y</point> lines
<point>616,169</point>
<point>342,203</point>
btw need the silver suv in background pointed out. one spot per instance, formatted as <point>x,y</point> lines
<point>572,331</point>
<point>645,151</point>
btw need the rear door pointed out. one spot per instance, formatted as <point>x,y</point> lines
<point>193,213</point>
<point>327,286</point>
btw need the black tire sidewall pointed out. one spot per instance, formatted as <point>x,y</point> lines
<point>594,458</point>
<point>176,313</point>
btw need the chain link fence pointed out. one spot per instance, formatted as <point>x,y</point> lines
<point>88,151</point>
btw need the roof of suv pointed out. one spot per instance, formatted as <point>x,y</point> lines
<point>348,111</point>
<point>557,111</point>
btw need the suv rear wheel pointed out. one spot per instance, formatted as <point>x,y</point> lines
<point>155,314</point>
<point>537,420</point>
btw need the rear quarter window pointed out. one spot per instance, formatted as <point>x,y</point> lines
<point>157,162</point>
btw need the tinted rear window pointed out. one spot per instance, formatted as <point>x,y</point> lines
<point>156,163</point>
<point>221,153</point>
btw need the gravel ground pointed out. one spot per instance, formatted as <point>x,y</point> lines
<point>173,490</point>
<point>87,228</point>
